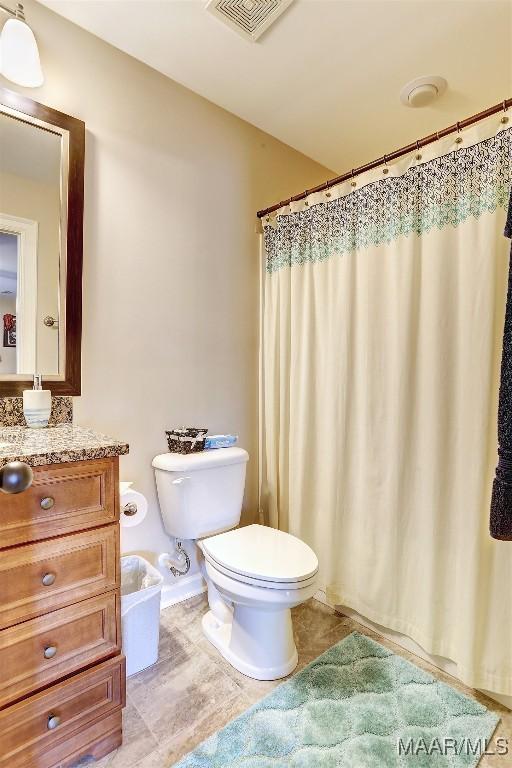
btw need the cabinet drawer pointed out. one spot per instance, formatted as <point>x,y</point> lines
<point>82,710</point>
<point>42,577</point>
<point>62,498</point>
<point>41,651</point>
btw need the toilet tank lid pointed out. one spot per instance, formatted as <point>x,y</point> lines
<point>188,462</point>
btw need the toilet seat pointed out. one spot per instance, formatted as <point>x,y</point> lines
<point>262,556</point>
<point>262,583</point>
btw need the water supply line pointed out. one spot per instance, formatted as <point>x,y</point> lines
<point>178,565</point>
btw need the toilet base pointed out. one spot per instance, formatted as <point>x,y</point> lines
<point>274,649</point>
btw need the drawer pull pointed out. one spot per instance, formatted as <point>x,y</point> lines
<point>50,651</point>
<point>47,503</point>
<point>48,579</point>
<point>53,722</point>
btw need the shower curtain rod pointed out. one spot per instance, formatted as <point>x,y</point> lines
<point>505,104</point>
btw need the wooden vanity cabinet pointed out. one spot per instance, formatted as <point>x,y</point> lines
<point>62,674</point>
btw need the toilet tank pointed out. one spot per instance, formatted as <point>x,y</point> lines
<point>200,494</point>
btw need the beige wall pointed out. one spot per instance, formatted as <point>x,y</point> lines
<point>171,256</point>
<point>34,200</point>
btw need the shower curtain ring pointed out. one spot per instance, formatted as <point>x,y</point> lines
<point>504,119</point>
<point>353,183</point>
<point>418,153</point>
<point>458,140</point>
<point>327,189</point>
<point>385,169</point>
<point>306,202</point>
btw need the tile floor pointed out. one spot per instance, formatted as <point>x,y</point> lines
<point>192,692</point>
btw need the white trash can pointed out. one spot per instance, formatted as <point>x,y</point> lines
<point>141,588</point>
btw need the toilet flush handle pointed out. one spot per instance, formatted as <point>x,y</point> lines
<point>180,488</point>
<point>180,480</point>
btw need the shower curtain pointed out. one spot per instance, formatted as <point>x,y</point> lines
<point>383,308</point>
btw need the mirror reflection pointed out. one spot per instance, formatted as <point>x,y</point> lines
<point>32,263</point>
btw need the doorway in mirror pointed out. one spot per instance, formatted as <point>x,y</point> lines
<point>8,290</point>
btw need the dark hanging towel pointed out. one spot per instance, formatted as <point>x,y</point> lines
<point>501,504</point>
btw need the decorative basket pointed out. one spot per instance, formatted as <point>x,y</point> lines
<point>186,439</point>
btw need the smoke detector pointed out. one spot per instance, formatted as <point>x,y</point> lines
<point>422,91</point>
<point>250,18</point>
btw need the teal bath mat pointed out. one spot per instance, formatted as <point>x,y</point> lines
<point>356,706</point>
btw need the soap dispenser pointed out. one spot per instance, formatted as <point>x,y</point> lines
<point>37,404</point>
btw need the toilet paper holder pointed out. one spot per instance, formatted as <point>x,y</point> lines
<point>133,505</point>
<point>130,509</point>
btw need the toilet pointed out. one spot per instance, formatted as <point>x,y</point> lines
<point>255,574</point>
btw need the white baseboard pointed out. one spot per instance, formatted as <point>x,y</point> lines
<point>405,642</point>
<point>182,589</point>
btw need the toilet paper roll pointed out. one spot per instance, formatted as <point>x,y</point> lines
<point>134,508</point>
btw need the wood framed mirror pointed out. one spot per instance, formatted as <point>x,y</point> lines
<point>41,246</point>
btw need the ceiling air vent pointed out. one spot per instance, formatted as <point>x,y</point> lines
<point>250,18</point>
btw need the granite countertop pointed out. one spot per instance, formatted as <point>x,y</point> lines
<point>55,445</point>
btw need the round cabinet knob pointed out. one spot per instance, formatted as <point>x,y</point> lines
<point>15,477</point>
<point>50,651</point>
<point>47,502</point>
<point>48,579</point>
<point>53,722</point>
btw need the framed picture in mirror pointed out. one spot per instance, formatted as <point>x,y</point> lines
<point>9,331</point>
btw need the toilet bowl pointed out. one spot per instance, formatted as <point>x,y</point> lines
<point>254,575</point>
<point>260,574</point>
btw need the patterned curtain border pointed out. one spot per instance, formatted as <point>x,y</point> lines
<point>442,192</point>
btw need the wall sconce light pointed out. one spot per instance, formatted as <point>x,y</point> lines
<point>19,55</point>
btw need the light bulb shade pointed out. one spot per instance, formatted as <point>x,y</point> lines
<point>19,55</point>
